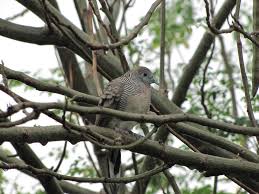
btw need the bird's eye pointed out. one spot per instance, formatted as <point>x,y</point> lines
<point>144,74</point>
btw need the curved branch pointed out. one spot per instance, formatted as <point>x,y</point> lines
<point>156,119</point>
<point>35,35</point>
<point>66,186</point>
<point>81,36</point>
<point>43,86</point>
<point>200,54</point>
<point>166,153</point>
<point>46,172</point>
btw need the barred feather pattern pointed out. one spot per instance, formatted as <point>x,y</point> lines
<point>124,93</point>
<point>128,93</point>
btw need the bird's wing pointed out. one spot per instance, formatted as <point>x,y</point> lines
<point>110,99</point>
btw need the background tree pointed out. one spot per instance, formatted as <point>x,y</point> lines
<point>203,99</point>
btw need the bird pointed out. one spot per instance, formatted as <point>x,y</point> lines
<point>130,92</point>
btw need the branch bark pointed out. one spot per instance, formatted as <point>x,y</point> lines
<point>172,155</point>
<point>200,54</point>
<point>66,186</point>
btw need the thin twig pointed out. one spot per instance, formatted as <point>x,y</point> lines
<point>46,172</point>
<point>229,71</point>
<point>2,72</point>
<point>126,6</point>
<point>243,73</point>
<point>203,93</point>
<point>157,119</point>
<point>61,157</point>
<point>98,16</point>
<point>29,117</point>
<point>64,113</point>
<point>235,26</point>
<point>134,32</point>
<point>91,160</point>
<point>172,181</point>
<point>95,168</point>
<point>215,185</point>
<point>135,165</point>
<point>162,82</point>
<point>169,71</point>
<point>94,57</point>
<point>49,87</point>
<point>243,186</point>
<point>108,13</point>
<point>48,20</point>
<point>95,75</point>
<point>182,139</point>
<point>115,37</point>
<point>22,13</point>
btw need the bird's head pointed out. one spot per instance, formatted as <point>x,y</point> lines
<point>145,75</point>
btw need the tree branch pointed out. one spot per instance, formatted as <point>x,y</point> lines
<point>49,173</point>
<point>66,186</point>
<point>15,16</point>
<point>54,88</point>
<point>200,53</point>
<point>173,155</point>
<point>156,119</point>
<point>35,35</point>
<point>243,73</point>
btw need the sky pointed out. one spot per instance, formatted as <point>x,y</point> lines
<point>31,58</point>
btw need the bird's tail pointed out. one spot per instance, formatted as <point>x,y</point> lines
<point>114,164</point>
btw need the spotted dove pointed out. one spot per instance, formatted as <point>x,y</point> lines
<point>130,93</point>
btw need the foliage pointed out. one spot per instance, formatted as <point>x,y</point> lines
<point>179,21</point>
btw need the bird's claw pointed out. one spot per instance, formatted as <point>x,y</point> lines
<point>118,141</point>
<point>128,132</point>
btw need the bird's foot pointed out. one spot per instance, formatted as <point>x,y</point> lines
<point>151,113</point>
<point>128,132</point>
<point>123,131</point>
<point>118,141</point>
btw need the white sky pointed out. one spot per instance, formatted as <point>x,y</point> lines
<point>32,58</point>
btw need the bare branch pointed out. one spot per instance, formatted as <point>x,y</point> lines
<point>20,14</point>
<point>43,86</point>
<point>162,82</point>
<point>36,35</point>
<point>49,173</point>
<point>196,60</point>
<point>236,26</point>
<point>229,71</point>
<point>172,181</point>
<point>255,66</point>
<point>177,156</point>
<point>29,117</point>
<point>203,93</point>
<point>157,119</point>
<point>66,186</point>
<point>243,73</point>
<point>61,157</point>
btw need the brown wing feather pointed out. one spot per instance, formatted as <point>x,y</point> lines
<point>109,99</point>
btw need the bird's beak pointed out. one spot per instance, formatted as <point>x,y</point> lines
<point>155,81</point>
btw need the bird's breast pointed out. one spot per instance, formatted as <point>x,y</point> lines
<point>139,103</point>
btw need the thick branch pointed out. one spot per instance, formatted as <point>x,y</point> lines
<point>36,35</point>
<point>200,54</point>
<point>36,8</point>
<point>177,156</point>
